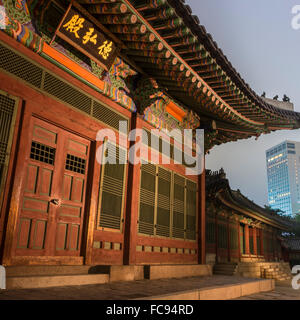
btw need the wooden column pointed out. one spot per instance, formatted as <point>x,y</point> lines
<point>130,232</point>
<point>91,209</point>
<point>228,239</point>
<point>261,242</point>
<point>254,242</point>
<point>6,236</point>
<point>202,207</point>
<point>217,236</point>
<point>247,240</point>
<point>239,239</point>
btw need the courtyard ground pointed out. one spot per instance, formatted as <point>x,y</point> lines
<point>283,291</point>
<point>216,287</point>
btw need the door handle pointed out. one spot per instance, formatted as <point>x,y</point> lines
<point>55,201</point>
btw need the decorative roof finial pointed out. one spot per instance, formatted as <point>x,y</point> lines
<point>222,174</point>
<point>286,98</point>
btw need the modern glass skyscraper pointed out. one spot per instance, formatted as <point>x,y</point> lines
<point>283,169</point>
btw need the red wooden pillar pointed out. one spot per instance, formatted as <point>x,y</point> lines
<point>202,207</point>
<point>131,219</point>
<point>92,194</point>
<point>217,236</point>
<point>239,240</point>
<point>247,240</point>
<point>261,242</point>
<point>228,239</point>
<point>254,242</point>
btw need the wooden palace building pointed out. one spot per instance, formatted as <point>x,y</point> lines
<point>237,229</point>
<point>71,68</point>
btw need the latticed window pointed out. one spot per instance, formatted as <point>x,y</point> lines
<point>112,191</point>
<point>7,117</point>
<point>178,207</point>
<point>168,204</point>
<point>147,199</point>
<point>163,203</point>
<point>191,209</point>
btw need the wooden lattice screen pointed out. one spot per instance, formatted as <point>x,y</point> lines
<point>147,199</point>
<point>178,207</point>
<point>7,118</point>
<point>191,209</point>
<point>112,191</point>
<point>168,204</point>
<point>163,203</point>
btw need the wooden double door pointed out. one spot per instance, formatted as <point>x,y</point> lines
<point>53,192</point>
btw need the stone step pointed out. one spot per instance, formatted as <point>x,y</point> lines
<point>26,282</point>
<point>225,266</point>
<point>50,270</point>
<point>176,271</point>
<point>224,273</point>
<point>224,269</point>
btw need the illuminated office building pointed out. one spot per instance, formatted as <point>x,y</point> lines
<point>283,165</point>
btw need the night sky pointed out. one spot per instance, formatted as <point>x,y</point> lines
<point>258,39</point>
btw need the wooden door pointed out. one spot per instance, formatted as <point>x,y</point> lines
<point>53,193</point>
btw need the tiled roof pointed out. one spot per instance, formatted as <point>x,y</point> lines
<point>167,42</point>
<point>218,187</point>
<point>292,244</point>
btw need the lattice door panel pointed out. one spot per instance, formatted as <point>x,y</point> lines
<point>53,197</point>
<point>70,213</point>
<point>38,190</point>
<point>191,209</point>
<point>163,203</point>
<point>147,199</point>
<point>7,117</point>
<point>178,226</point>
<point>112,189</point>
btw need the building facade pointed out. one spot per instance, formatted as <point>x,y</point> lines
<point>70,69</point>
<point>238,230</point>
<point>283,166</point>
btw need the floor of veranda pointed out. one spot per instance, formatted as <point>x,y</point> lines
<point>124,290</point>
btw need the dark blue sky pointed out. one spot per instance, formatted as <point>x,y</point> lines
<point>257,37</point>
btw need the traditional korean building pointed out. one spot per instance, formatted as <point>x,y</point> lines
<point>237,229</point>
<point>69,69</point>
<point>291,250</point>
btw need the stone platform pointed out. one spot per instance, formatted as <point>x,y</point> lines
<point>30,277</point>
<point>192,288</point>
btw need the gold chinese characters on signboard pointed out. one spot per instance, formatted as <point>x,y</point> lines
<point>80,32</point>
